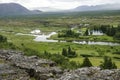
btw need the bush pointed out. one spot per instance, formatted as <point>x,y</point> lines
<point>86,62</point>
<point>58,58</point>
<point>69,52</point>
<point>3,39</point>
<point>117,36</point>
<point>108,64</point>
<point>68,33</point>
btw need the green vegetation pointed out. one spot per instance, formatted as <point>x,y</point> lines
<point>3,39</point>
<point>86,62</point>
<point>6,45</point>
<point>68,33</point>
<point>69,53</point>
<point>66,54</point>
<point>108,64</point>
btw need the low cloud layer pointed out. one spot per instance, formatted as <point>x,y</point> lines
<point>61,4</point>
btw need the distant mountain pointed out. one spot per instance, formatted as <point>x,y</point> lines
<point>14,9</point>
<point>98,7</point>
<point>47,9</point>
<point>36,11</point>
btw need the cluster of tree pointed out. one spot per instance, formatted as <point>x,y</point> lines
<point>108,64</point>
<point>58,58</point>
<point>69,52</point>
<point>117,34</point>
<point>111,31</point>
<point>106,29</point>
<point>68,33</point>
<point>65,63</point>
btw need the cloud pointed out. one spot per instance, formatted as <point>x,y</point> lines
<point>61,4</point>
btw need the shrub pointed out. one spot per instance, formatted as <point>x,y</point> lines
<point>108,64</point>
<point>69,52</point>
<point>86,62</point>
<point>3,39</point>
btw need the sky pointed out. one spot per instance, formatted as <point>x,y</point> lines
<point>58,4</point>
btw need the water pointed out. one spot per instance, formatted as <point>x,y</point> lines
<point>96,43</point>
<point>35,32</point>
<point>44,38</point>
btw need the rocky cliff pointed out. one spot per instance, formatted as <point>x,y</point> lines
<point>15,65</point>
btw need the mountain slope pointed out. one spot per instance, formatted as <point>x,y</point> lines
<point>98,7</point>
<point>13,9</point>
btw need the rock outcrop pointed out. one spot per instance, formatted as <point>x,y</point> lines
<point>15,65</point>
<point>91,73</point>
<point>18,63</point>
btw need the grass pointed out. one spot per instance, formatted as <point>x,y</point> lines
<point>94,60</point>
<point>13,27</point>
<point>55,48</point>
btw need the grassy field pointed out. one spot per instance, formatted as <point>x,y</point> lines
<point>10,27</point>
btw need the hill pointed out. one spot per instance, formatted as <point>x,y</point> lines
<point>98,7</point>
<point>14,9</point>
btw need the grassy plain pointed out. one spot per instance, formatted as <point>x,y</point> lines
<point>9,27</point>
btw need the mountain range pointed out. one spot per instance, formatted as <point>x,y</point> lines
<point>98,7</point>
<point>7,9</point>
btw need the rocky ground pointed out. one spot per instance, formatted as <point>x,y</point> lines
<point>15,65</point>
<point>92,73</point>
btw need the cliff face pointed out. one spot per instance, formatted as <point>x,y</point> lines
<point>15,65</point>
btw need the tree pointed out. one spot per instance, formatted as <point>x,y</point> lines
<point>68,52</point>
<point>108,64</point>
<point>104,28</point>
<point>3,39</point>
<point>86,32</point>
<point>86,62</point>
<point>64,52</point>
<point>117,36</point>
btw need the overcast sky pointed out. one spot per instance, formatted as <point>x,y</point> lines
<point>59,4</point>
